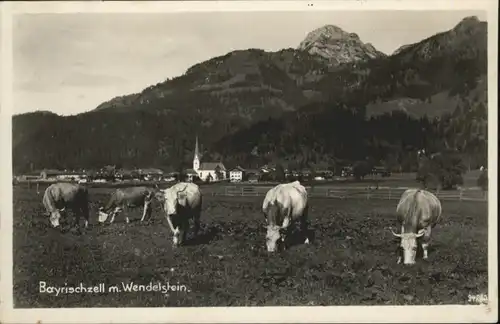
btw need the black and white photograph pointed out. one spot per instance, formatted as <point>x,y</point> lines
<point>225,156</point>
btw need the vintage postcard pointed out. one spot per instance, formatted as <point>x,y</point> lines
<point>249,161</point>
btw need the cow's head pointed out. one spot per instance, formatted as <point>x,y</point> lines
<point>160,196</point>
<point>276,234</point>
<point>409,245</point>
<point>273,237</point>
<point>55,216</point>
<point>173,199</point>
<point>103,216</point>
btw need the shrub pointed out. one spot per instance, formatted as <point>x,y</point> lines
<point>482,180</point>
<point>360,169</point>
<point>446,168</point>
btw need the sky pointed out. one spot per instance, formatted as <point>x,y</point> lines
<point>70,63</point>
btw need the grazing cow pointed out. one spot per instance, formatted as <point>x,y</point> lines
<point>181,203</point>
<point>127,198</point>
<point>418,211</point>
<point>59,196</point>
<point>282,206</point>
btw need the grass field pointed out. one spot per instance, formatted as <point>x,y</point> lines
<point>352,259</point>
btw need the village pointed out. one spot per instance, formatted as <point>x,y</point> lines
<point>207,173</point>
<point>201,172</point>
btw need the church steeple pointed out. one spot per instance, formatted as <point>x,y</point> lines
<point>196,149</point>
<point>196,159</point>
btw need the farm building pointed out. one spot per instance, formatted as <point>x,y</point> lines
<point>252,175</point>
<point>126,174</point>
<point>151,174</point>
<point>236,174</point>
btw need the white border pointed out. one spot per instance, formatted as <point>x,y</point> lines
<point>345,314</point>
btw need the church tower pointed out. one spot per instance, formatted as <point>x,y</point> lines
<point>196,159</point>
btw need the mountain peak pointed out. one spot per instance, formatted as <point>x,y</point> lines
<point>334,44</point>
<point>328,32</point>
<point>467,23</point>
<point>470,19</point>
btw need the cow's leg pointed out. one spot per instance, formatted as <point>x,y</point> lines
<point>399,253</point>
<point>196,220</point>
<point>184,231</point>
<point>116,211</point>
<point>85,212</point>
<point>285,227</point>
<point>425,239</point>
<point>175,230</point>
<point>76,214</point>
<point>125,212</point>
<point>184,228</point>
<point>304,225</point>
<point>145,210</point>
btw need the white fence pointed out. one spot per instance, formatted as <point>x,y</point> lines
<point>469,194</point>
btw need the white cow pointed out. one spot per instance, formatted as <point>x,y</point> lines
<point>418,211</point>
<point>59,196</point>
<point>283,205</point>
<point>181,203</point>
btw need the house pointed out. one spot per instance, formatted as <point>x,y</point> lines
<point>236,174</point>
<point>208,171</point>
<point>347,171</point>
<point>381,171</point>
<point>151,174</point>
<point>124,174</point>
<point>267,169</point>
<point>253,177</point>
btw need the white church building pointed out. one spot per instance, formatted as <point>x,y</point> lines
<point>207,171</point>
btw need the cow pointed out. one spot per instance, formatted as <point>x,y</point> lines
<point>283,205</point>
<point>126,198</point>
<point>181,203</point>
<point>59,196</point>
<point>418,211</point>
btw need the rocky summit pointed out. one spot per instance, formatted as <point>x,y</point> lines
<point>338,46</point>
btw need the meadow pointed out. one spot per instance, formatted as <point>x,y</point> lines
<point>351,261</point>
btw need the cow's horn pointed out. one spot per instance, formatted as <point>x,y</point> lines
<point>397,235</point>
<point>420,233</point>
<point>62,209</point>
